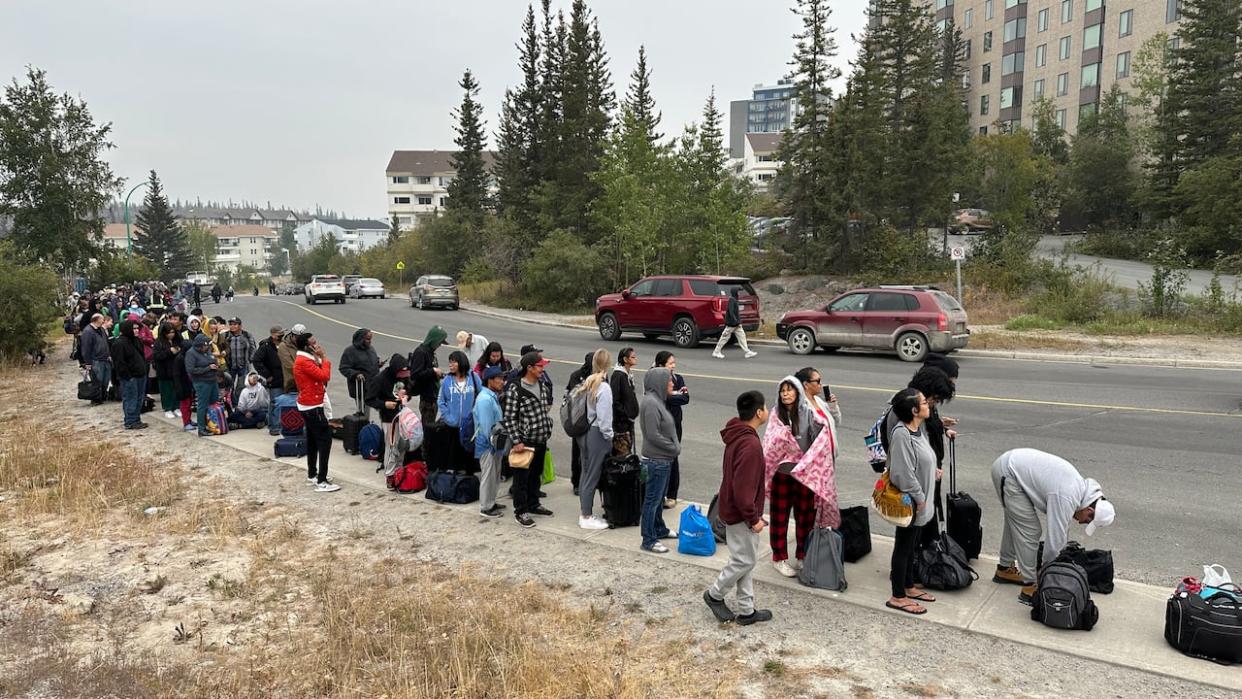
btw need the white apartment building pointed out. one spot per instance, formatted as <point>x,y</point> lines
<point>759,164</point>
<point>236,216</point>
<point>418,183</point>
<point>238,245</point>
<point>352,235</point>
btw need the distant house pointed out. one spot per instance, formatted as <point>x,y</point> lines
<point>238,216</point>
<point>418,183</point>
<point>759,164</point>
<point>352,235</point>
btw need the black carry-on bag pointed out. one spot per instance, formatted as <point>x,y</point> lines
<point>622,491</point>
<point>351,425</point>
<point>963,515</point>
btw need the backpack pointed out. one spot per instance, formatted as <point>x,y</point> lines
<point>824,565</point>
<point>877,443</point>
<point>370,441</point>
<point>1062,599</point>
<point>574,418</point>
<point>408,478</point>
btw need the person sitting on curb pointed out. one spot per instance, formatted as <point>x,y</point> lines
<point>253,402</point>
<point>1030,481</point>
<point>487,415</point>
<point>741,509</point>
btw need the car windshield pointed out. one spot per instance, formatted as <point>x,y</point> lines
<point>440,281</point>
<point>369,282</point>
<point>947,303</point>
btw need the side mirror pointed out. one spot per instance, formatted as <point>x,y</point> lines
<point>625,294</point>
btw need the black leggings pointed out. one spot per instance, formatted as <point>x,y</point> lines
<point>318,444</point>
<point>901,576</point>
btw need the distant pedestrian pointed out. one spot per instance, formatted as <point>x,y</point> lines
<point>679,398</point>
<point>487,415</point>
<point>313,372</point>
<point>740,504</point>
<point>733,327</point>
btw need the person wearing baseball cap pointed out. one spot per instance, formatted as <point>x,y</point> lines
<point>288,352</point>
<point>487,415</point>
<point>266,363</point>
<point>1029,482</point>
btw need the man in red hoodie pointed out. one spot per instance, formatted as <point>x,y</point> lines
<point>741,509</point>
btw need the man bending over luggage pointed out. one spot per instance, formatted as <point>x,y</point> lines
<point>1029,481</point>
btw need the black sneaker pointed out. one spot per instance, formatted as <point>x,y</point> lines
<point>524,520</point>
<point>718,607</point>
<point>575,491</point>
<point>541,510</point>
<point>492,512</point>
<point>754,617</point>
<point>543,494</point>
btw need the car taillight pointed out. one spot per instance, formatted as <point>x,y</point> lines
<point>942,322</point>
<point>718,304</point>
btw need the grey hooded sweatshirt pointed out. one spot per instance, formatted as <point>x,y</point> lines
<point>1054,487</point>
<point>659,431</point>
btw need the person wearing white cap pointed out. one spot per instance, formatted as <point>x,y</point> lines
<point>287,352</point>
<point>472,344</point>
<point>1029,481</point>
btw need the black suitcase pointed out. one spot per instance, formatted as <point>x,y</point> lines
<point>855,533</point>
<point>438,447</point>
<point>963,514</point>
<point>622,492</point>
<point>351,425</point>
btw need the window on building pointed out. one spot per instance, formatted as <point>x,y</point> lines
<point>1013,3</point>
<point>401,179</point>
<point>765,158</point>
<point>445,181</point>
<point>1011,97</point>
<point>1094,5</point>
<point>401,200</point>
<point>1086,111</point>
<point>1090,75</point>
<point>987,74</point>
<point>1172,11</point>
<point>1123,65</point>
<point>1067,11</point>
<point>987,42</point>
<point>1041,55</point>
<point>424,180</point>
<point>1061,114</point>
<point>1015,29</point>
<point>1175,43</point>
<point>1125,23</point>
<point>985,104</point>
<point>1013,63</point>
<point>1062,84</point>
<point>966,50</point>
<point>764,176</point>
<point>941,4</point>
<point>402,220</point>
<point>443,201</point>
<point>424,201</point>
<point>1037,89</point>
<point>1066,46</point>
<point>968,18</point>
<point>1042,22</point>
<point>1091,37</point>
<point>943,25</point>
<point>983,131</point>
<point>965,81</point>
<point>988,9</point>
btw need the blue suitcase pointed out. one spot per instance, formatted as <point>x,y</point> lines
<point>290,446</point>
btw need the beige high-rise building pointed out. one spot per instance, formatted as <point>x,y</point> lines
<point>1070,51</point>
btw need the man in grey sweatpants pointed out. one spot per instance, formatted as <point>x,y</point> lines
<point>1028,482</point>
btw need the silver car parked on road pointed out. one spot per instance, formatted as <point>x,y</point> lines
<point>434,290</point>
<point>367,287</point>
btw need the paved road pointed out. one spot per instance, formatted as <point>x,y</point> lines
<point>1160,440</point>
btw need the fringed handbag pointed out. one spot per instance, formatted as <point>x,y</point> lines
<point>892,504</point>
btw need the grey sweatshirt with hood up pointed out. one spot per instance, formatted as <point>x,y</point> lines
<point>659,431</point>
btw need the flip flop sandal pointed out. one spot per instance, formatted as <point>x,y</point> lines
<point>921,596</point>
<point>914,609</point>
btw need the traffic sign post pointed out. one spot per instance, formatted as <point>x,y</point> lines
<point>400,275</point>
<point>958,253</point>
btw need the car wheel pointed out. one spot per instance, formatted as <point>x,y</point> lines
<point>342,301</point>
<point>411,302</point>
<point>309,302</point>
<point>911,347</point>
<point>685,333</point>
<point>801,341</point>
<point>609,330</point>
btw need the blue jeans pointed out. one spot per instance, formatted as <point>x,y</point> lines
<point>206,393</point>
<point>132,393</point>
<point>273,425</point>
<point>653,502</point>
<point>103,374</point>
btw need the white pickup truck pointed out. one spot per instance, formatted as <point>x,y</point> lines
<point>324,287</point>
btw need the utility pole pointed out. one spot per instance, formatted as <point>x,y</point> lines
<point>129,240</point>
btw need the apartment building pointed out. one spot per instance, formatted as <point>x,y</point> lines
<point>1068,51</point>
<point>237,245</point>
<point>237,216</point>
<point>352,235</point>
<point>770,109</point>
<point>418,183</point>
<point>759,164</point>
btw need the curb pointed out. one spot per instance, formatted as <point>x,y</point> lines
<point>1090,359</point>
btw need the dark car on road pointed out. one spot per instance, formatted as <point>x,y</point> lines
<point>687,307</point>
<point>912,320</point>
<point>434,290</point>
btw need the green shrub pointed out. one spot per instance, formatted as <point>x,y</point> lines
<point>1075,295</point>
<point>564,274</point>
<point>776,289</point>
<point>27,303</point>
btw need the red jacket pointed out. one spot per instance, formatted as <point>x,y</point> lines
<point>311,378</point>
<point>741,489</point>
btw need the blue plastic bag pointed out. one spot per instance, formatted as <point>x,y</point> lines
<point>694,535</point>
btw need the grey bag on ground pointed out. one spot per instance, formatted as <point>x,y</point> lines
<point>824,565</point>
<point>1062,599</point>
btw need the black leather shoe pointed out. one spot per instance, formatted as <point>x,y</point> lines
<point>754,617</point>
<point>541,510</point>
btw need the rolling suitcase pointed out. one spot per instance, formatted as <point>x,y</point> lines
<point>351,425</point>
<point>622,492</point>
<point>962,513</point>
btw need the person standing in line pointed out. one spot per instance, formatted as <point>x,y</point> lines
<point>741,509</point>
<point>493,355</point>
<point>624,402</point>
<point>359,364</point>
<point>912,470</point>
<point>935,385</point>
<point>204,372</point>
<point>313,371</point>
<point>733,327</point>
<point>96,354</point>
<point>472,344</point>
<point>575,380</point>
<point>266,362</point>
<point>528,423</point>
<point>425,373</point>
<point>675,401</point>
<point>596,444</point>
<point>287,353</point>
<point>458,391</point>
<point>487,415</point>
<point>383,391</point>
<point>164,354</point>
<point>241,349</point>
<point>131,371</point>
<point>783,450</point>
<point>660,448</point>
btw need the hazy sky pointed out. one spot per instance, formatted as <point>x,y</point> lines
<point>302,102</point>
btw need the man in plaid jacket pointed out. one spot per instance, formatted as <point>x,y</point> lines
<point>528,423</point>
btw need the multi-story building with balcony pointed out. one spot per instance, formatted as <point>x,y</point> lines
<point>770,109</point>
<point>352,235</point>
<point>759,164</point>
<point>237,245</point>
<point>418,183</point>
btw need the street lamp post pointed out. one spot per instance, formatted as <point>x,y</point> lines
<point>129,240</point>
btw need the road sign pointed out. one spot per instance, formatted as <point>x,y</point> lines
<point>957,252</point>
<point>400,264</point>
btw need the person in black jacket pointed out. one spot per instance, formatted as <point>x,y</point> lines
<point>733,327</point>
<point>674,401</point>
<point>624,402</point>
<point>575,379</point>
<point>266,362</point>
<point>164,356</point>
<point>130,366</point>
<point>95,355</point>
<point>425,373</point>
<point>359,363</point>
<point>384,392</point>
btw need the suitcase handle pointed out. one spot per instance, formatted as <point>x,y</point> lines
<point>362,384</point>
<point>952,464</point>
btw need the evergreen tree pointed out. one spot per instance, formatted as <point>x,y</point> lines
<point>159,236</point>
<point>468,192</point>
<point>1102,175</point>
<point>394,230</point>
<point>639,104</point>
<point>518,148</point>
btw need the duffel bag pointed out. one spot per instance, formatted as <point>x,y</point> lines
<point>855,533</point>
<point>942,565</point>
<point>408,478</point>
<point>452,487</point>
<point>1205,628</point>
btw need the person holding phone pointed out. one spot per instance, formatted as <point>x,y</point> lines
<point>312,371</point>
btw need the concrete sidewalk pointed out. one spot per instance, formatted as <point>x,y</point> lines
<point>1129,633</point>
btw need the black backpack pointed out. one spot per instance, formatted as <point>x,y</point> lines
<point>1062,599</point>
<point>1098,564</point>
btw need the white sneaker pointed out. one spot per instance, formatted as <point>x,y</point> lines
<point>177,412</point>
<point>796,563</point>
<point>717,355</point>
<point>751,354</point>
<point>785,569</point>
<point>313,480</point>
<point>190,428</point>
<point>591,523</point>
<point>327,488</point>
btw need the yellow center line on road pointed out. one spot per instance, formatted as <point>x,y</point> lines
<point>869,389</point>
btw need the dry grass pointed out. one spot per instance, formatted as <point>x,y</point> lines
<point>1030,342</point>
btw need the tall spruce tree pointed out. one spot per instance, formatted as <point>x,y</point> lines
<point>468,192</point>
<point>159,236</point>
<point>518,146</point>
<point>1102,174</point>
<point>639,104</point>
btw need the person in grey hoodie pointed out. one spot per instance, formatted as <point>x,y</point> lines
<point>660,447</point>
<point>1029,481</point>
<point>912,470</point>
<point>204,372</point>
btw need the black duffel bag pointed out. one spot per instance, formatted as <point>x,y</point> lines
<point>942,565</point>
<point>1205,628</point>
<point>1097,562</point>
<point>855,533</point>
<point>90,389</point>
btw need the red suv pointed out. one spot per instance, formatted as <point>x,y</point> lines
<point>688,307</point>
<point>913,320</point>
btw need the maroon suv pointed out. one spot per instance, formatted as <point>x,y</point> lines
<point>688,307</point>
<point>912,320</point>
